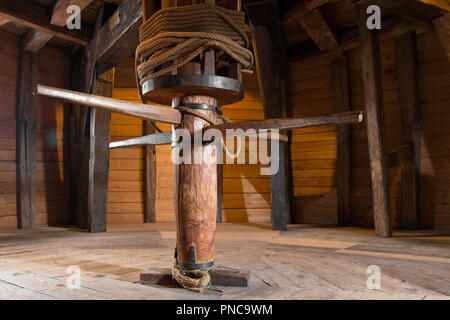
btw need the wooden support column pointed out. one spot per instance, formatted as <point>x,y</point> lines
<point>341,82</point>
<point>408,78</point>
<point>150,177</point>
<point>195,189</point>
<point>26,141</point>
<point>80,187</point>
<point>99,135</point>
<point>149,7</point>
<point>271,65</point>
<point>31,43</point>
<point>374,113</point>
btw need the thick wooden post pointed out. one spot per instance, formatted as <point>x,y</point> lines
<point>81,168</point>
<point>407,68</point>
<point>31,43</point>
<point>99,135</point>
<point>26,141</point>
<point>374,112</point>
<point>341,82</point>
<point>269,55</point>
<point>149,7</point>
<point>150,177</point>
<point>196,184</point>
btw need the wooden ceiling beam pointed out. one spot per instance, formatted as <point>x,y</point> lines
<point>3,21</point>
<point>59,15</point>
<point>118,38</point>
<point>423,10</point>
<point>34,40</point>
<point>391,27</point>
<point>443,4</point>
<point>294,14</point>
<point>317,28</point>
<point>32,15</point>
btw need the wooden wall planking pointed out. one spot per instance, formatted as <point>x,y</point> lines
<point>314,150</point>
<point>9,59</point>
<point>434,86</point>
<point>53,207</point>
<point>52,198</point>
<point>246,193</point>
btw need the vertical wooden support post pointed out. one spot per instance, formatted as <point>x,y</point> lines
<point>149,7</point>
<point>81,168</point>
<point>150,176</point>
<point>271,84</point>
<point>26,141</point>
<point>374,112</point>
<point>341,82</point>
<point>219,217</point>
<point>196,184</point>
<point>99,135</point>
<point>407,68</point>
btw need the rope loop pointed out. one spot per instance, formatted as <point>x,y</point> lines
<point>194,280</point>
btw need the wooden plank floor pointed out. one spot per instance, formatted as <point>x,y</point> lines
<point>305,262</point>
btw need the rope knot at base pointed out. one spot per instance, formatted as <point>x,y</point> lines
<point>194,280</point>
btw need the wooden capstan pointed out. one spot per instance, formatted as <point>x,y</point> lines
<point>196,90</point>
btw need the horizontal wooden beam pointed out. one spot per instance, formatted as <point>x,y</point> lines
<point>32,15</point>
<point>119,36</point>
<point>443,4</point>
<point>60,16</point>
<point>3,21</point>
<point>34,40</point>
<point>144,111</point>
<point>417,9</point>
<point>293,14</point>
<point>317,28</point>
<point>390,28</point>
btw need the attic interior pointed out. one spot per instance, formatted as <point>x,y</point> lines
<point>348,194</point>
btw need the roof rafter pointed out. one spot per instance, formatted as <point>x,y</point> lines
<point>59,15</point>
<point>32,15</point>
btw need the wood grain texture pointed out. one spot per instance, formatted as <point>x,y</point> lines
<point>341,82</point>
<point>34,40</point>
<point>26,141</point>
<point>34,16</point>
<point>99,158</point>
<point>374,113</point>
<point>59,14</point>
<point>119,36</point>
<point>317,28</point>
<point>270,56</point>
<point>196,207</point>
<point>150,176</point>
<point>407,69</point>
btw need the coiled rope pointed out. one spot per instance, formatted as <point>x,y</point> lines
<point>172,37</point>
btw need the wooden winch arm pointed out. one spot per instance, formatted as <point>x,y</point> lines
<point>173,116</point>
<point>161,138</point>
<point>144,111</point>
<point>291,123</point>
